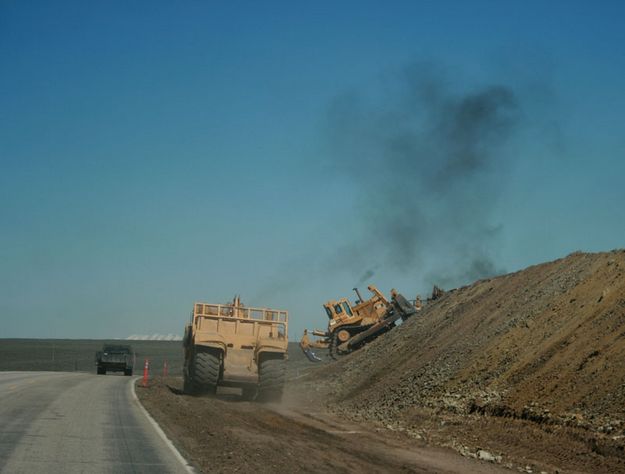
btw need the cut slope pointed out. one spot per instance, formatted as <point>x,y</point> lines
<point>546,343</point>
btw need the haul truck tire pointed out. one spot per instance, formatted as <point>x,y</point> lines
<point>271,378</point>
<point>206,372</point>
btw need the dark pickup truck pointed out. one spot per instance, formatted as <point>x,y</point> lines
<point>115,359</point>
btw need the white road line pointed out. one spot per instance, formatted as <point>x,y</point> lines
<point>160,432</point>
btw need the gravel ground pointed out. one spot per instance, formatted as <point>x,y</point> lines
<point>225,434</point>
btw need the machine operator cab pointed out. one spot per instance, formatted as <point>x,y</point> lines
<point>338,309</point>
<point>341,312</point>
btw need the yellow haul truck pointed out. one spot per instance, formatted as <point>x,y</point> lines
<point>232,345</point>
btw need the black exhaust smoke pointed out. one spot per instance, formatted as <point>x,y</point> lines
<point>428,160</point>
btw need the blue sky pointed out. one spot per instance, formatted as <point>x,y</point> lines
<point>159,153</point>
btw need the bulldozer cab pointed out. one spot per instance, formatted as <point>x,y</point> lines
<point>341,312</point>
<point>338,309</point>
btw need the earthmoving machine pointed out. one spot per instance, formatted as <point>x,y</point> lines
<point>352,326</point>
<point>233,345</point>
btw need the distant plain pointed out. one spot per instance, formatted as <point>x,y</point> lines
<point>78,355</point>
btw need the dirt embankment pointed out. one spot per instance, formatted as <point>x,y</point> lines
<point>530,365</point>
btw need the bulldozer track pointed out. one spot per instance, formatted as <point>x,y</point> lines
<point>333,350</point>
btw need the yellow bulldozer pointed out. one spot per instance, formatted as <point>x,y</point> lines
<point>352,326</point>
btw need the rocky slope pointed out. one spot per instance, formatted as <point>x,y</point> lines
<point>545,344</point>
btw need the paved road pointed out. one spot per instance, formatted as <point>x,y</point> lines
<point>55,422</point>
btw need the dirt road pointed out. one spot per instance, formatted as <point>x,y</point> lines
<point>226,434</point>
<point>55,422</point>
